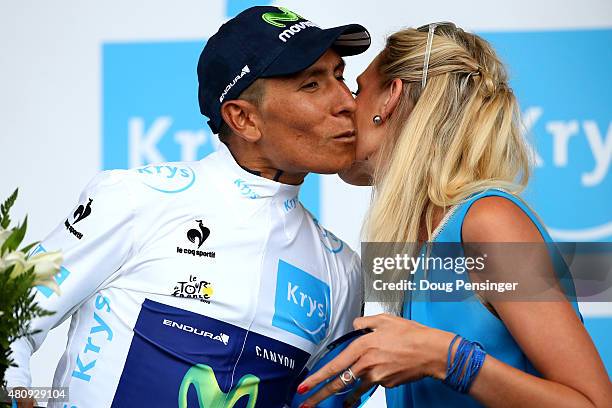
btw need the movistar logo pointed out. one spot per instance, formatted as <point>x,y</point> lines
<point>286,15</point>
<point>245,70</point>
<point>294,29</point>
<point>202,377</point>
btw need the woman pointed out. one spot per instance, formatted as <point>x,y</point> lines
<point>438,138</point>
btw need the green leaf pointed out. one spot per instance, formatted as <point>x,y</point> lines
<point>14,240</point>
<point>17,295</point>
<point>5,220</point>
<point>26,249</point>
<point>8,271</point>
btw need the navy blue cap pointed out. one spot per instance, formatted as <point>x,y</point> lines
<point>263,42</point>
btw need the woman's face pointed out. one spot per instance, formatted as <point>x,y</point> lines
<point>370,102</point>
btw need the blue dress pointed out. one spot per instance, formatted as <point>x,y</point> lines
<point>469,318</point>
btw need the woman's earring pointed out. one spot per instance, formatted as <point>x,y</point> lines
<point>377,120</point>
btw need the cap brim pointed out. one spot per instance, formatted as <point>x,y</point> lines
<point>306,48</point>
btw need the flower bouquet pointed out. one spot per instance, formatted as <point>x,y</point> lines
<point>20,273</point>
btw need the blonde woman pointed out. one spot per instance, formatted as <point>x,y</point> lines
<point>438,138</point>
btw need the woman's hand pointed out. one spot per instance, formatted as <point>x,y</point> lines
<point>397,351</point>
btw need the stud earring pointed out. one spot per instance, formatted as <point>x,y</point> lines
<point>377,120</point>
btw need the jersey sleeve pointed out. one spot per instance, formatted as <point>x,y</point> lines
<point>95,240</point>
<point>347,302</point>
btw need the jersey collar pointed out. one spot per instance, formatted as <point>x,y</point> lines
<point>251,185</point>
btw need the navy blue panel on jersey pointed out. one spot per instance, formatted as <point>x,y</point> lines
<point>180,357</point>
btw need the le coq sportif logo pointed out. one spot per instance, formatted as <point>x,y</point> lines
<point>83,211</point>
<point>198,235</point>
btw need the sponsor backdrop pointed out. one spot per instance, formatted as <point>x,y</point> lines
<point>89,86</point>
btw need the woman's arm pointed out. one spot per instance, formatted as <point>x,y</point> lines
<point>549,333</point>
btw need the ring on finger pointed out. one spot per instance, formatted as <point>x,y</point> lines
<point>347,377</point>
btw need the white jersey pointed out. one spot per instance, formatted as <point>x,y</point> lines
<point>192,284</point>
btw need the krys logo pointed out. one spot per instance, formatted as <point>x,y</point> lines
<point>584,168</point>
<point>101,335</point>
<point>144,124</point>
<point>167,178</point>
<point>301,303</point>
<point>82,212</point>
<point>569,126</point>
<point>330,242</point>
<point>203,378</point>
<point>245,189</point>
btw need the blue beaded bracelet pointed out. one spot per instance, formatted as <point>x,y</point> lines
<point>463,369</point>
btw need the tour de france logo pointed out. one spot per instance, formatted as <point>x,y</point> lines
<point>194,288</point>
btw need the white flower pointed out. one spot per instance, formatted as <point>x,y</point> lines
<point>50,283</point>
<point>46,265</point>
<point>15,259</point>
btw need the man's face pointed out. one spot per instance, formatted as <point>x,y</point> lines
<point>308,119</point>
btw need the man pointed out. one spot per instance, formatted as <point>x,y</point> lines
<point>208,282</point>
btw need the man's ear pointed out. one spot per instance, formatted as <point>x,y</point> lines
<point>243,118</point>
<point>394,91</point>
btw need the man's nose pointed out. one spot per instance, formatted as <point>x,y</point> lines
<point>345,104</point>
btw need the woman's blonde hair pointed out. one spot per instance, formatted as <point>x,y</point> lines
<point>457,136</point>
